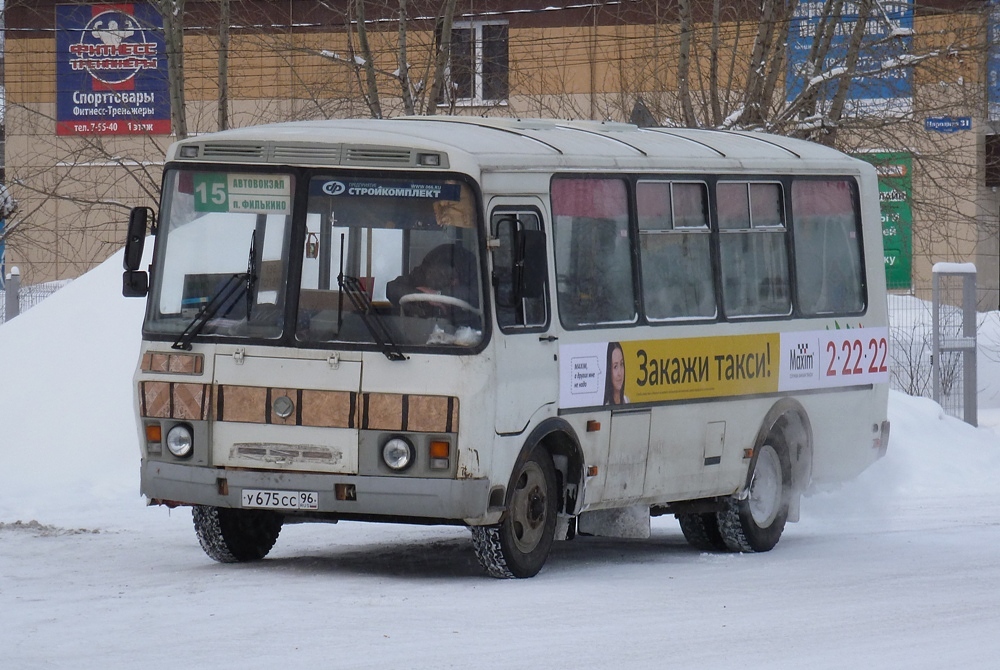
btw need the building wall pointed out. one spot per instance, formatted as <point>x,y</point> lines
<point>75,192</point>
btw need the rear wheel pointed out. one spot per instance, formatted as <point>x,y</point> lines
<point>756,522</point>
<point>701,530</point>
<point>519,546</point>
<point>235,535</point>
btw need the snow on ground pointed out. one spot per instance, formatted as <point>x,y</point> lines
<point>897,569</point>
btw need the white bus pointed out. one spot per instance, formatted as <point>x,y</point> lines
<point>537,329</point>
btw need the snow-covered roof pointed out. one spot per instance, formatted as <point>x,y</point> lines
<point>498,144</point>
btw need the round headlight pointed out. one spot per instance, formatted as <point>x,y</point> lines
<point>180,442</point>
<point>397,453</point>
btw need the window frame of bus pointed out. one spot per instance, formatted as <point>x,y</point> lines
<point>523,251</point>
<point>283,305</point>
<point>562,298</point>
<point>858,230</point>
<point>675,227</point>
<point>757,231</point>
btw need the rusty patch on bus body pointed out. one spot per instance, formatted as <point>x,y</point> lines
<point>245,404</point>
<point>432,414</point>
<point>328,409</point>
<point>384,411</point>
<point>338,409</point>
<point>169,400</point>
<point>416,413</point>
<point>171,363</point>
<point>190,401</point>
<point>322,409</point>
<point>155,398</point>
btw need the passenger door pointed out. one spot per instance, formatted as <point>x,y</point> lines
<point>526,355</point>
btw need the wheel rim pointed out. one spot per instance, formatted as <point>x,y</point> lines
<point>529,508</point>
<point>765,487</point>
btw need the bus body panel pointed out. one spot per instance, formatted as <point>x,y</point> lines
<point>317,413</point>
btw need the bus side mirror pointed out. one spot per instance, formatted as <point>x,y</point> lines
<point>135,283</point>
<point>529,264</point>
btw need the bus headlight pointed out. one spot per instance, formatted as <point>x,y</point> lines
<point>397,453</point>
<point>180,441</point>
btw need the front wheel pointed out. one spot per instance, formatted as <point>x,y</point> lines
<point>756,522</point>
<point>519,546</point>
<point>235,535</point>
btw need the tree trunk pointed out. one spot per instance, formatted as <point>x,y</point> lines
<point>684,65</point>
<point>224,24</point>
<point>851,63</point>
<point>368,64</point>
<point>173,31</point>
<point>442,58</point>
<point>403,71</point>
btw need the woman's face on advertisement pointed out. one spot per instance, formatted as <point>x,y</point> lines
<point>617,369</point>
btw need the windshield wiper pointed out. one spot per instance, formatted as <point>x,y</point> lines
<point>239,284</point>
<point>231,290</point>
<point>373,322</point>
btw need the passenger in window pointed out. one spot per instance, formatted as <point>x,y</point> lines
<point>447,269</point>
<point>614,378</point>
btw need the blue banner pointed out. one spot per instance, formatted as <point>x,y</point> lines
<point>878,85</point>
<point>111,70</point>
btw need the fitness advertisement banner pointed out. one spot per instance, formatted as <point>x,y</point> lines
<point>111,70</point>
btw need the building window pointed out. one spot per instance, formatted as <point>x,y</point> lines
<point>477,73</point>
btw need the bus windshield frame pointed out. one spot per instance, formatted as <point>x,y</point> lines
<point>319,259</point>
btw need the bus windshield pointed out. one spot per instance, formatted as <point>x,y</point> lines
<point>409,249</point>
<point>387,261</point>
<point>222,246</point>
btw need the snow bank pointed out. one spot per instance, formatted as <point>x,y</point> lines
<point>69,443</point>
<point>67,435</point>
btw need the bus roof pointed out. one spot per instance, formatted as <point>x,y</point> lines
<point>497,144</point>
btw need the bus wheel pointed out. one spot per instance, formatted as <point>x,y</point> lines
<point>519,546</point>
<point>235,535</point>
<point>701,530</point>
<point>756,522</point>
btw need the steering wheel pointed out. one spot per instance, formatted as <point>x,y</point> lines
<point>440,299</point>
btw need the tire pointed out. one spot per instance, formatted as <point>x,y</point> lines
<point>701,530</point>
<point>235,535</point>
<point>518,547</point>
<point>755,523</point>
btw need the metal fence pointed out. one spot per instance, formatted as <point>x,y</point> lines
<point>29,296</point>
<point>911,346</point>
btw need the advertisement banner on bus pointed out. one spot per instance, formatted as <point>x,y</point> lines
<point>655,371</point>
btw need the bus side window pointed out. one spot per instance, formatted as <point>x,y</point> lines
<point>827,249</point>
<point>593,251</point>
<point>675,250</point>
<point>752,249</point>
<point>529,312</point>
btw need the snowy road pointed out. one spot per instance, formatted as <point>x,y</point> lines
<point>904,584</point>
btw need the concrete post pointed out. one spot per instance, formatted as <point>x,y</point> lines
<point>12,306</point>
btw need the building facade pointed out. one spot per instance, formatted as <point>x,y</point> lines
<point>95,91</point>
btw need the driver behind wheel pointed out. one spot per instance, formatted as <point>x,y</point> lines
<point>447,269</point>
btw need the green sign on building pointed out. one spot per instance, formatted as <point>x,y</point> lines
<point>895,188</point>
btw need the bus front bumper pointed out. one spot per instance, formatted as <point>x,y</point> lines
<point>347,495</point>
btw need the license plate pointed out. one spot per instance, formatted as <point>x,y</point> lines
<point>270,499</point>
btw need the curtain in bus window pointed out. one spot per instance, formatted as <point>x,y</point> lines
<point>592,247</point>
<point>827,248</point>
<point>674,247</point>
<point>752,252</point>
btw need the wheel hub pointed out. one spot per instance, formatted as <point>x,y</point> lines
<point>766,487</point>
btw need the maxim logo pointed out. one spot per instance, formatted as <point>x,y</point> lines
<point>800,358</point>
